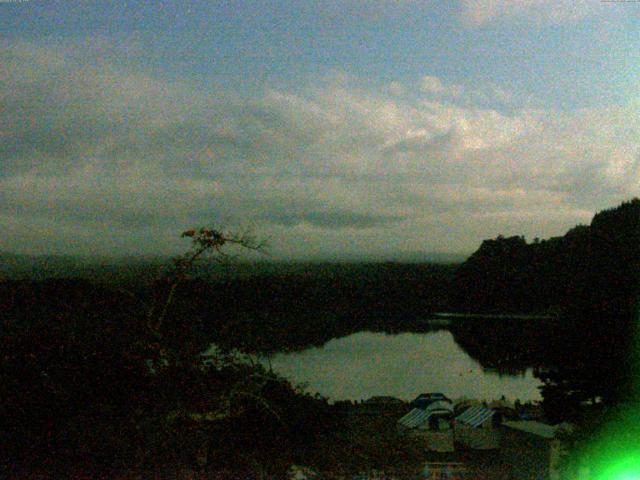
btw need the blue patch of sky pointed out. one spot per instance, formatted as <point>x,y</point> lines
<point>254,43</point>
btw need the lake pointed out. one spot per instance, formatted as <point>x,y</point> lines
<point>365,364</point>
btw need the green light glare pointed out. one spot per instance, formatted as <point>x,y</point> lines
<point>615,452</point>
<point>627,469</point>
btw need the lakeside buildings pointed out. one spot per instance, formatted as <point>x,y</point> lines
<point>523,449</point>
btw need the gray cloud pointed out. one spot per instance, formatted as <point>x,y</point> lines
<point>479,12</point>
<point>91,150</point>
<point>423,144</point>
<point>339,219</point>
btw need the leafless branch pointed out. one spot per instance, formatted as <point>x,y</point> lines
<point>204,241</point>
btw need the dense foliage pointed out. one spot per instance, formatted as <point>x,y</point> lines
<point>592,264</point>
<point>590,278</point>
<point>94,379</point>
<point>108,373</point>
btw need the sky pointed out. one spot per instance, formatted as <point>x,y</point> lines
<point>333,129</point>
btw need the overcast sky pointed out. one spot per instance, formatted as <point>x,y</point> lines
<point>333,128</point>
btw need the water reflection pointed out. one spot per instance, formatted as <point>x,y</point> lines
<point>366,364</point>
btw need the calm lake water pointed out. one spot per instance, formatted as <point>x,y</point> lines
<point>365,364</point>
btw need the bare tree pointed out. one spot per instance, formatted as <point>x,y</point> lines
<point>205,242</point>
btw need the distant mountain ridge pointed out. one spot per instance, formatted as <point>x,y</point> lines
<point>38,267</point>
<point>25,266</point>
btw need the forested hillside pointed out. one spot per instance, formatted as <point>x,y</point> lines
<point>511,275</point>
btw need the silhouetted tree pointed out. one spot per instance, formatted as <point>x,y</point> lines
<point>98,378</point>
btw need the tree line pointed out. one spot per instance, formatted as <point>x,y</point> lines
<point>111,375</point>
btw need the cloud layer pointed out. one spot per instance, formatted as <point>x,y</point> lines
<point>478,12</point>
<point>98,158</point>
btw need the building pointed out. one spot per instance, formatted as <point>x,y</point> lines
<point>476,428</point>
<point>532,449</point>
<point>425,399</point>
<point>433,425</point>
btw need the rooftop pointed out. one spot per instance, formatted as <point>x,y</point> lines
<point>531,426</point>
